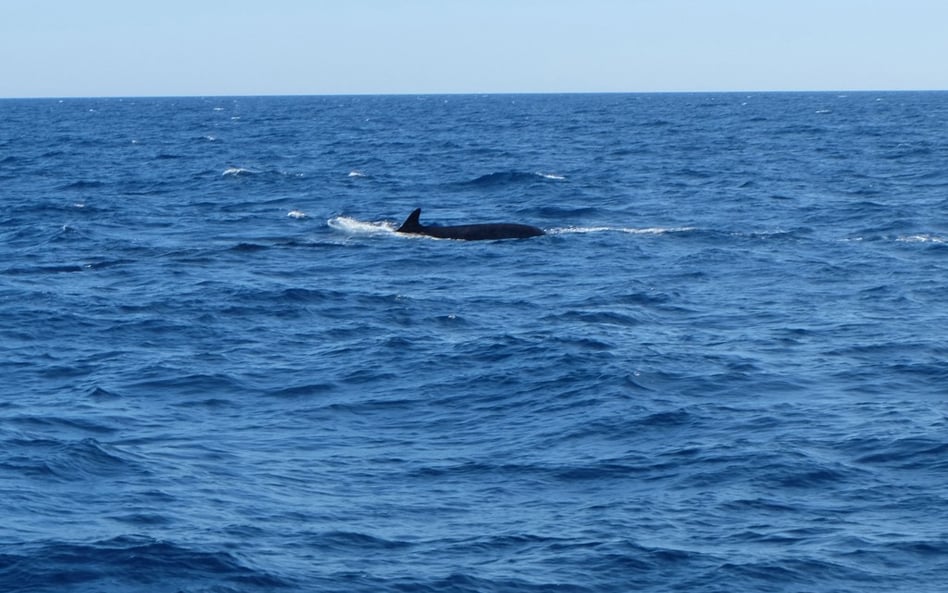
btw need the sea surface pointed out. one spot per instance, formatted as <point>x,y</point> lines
<point>724,368</point>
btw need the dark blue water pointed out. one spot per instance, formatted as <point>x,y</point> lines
<point>724,368</point>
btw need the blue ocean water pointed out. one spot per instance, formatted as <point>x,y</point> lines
<point>724,367</point>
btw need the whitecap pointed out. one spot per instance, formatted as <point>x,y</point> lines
<point>551,176</point>
<point>234,171</point>
<point>296,214</point>
<point>356,173</point>
<point>921,238</point>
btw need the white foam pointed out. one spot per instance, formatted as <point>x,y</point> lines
<point>921,238</point>
<point>234,171</point>
<point>360,227</point>
<point>551,176</point>
<point>356,173</point>
<point>296,214</point>
<point>609,229</point>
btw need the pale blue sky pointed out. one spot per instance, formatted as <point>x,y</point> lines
<point>57,48</point>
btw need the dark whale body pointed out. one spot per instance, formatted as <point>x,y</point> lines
<point>469,232</point>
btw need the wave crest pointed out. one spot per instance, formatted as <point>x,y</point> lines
<point>500,178</point>
<point>125,562</point>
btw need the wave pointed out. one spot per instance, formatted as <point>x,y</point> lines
<point>562,212</point>
<point>336,541</point>
<point>97,392</point>
<point>82,185</point>
<point>925,238</point>
<point>910,453</point>
<point>126,563</point>
<point>66,268</point>
<point>551,176</point>
<point>922,238</point>
<point>267,173</point>
<point>44,269</point>
<point>500,178</point>
<point>70,461</point>
<point>303,391</point>
<point>238,171</point>
<point>245,247</point>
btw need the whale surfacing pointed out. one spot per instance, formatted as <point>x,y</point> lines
<point>469,232</point>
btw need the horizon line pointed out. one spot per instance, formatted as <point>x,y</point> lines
<point>466,93</point>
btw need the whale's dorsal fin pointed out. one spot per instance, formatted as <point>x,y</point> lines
<point>411,224</point>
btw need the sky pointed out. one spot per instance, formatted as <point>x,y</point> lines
<point>94,48</point>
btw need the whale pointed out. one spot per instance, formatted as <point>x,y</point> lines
<point>484,231</point>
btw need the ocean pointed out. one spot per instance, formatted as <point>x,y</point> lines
<point>723,367</point>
